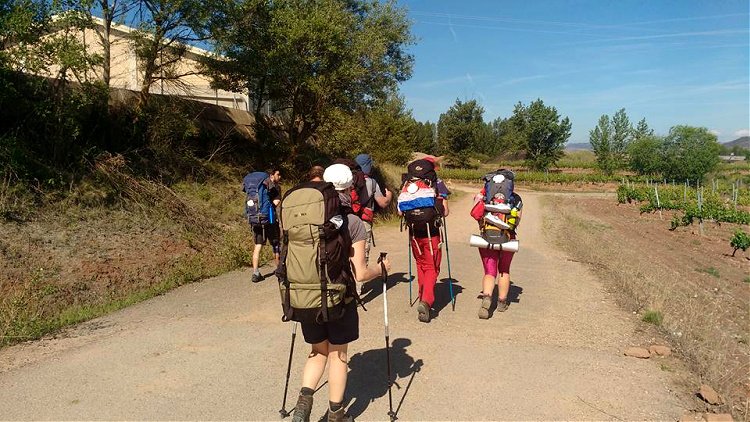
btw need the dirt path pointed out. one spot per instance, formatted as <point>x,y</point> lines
<point>217,350</point>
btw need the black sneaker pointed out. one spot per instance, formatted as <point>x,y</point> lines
<point>423,311</point>
<point>256,278</point>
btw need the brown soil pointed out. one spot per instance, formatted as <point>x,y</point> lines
<point>692,279</point>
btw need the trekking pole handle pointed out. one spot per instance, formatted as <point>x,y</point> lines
<point>384,275</point>
<point>381,258</point>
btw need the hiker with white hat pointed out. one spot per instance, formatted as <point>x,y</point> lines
<point>332,338</point>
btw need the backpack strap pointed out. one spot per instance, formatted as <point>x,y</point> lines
<point>323,273</point>
<point>281,275</point>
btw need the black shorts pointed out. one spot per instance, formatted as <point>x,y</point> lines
<point>267,232</point>
<point>341,331</point>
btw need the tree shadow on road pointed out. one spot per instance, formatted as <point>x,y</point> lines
<point>368,377</point>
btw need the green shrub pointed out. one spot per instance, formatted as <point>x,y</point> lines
<point>740,240</point>
<point>653,317</point>
<point>710,270</point>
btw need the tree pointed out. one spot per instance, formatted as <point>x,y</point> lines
<point>310,58</point>
<point>382,131</point>
<point>689,153</point>
<point>642,130</point>
<point>621,138</point>
<point>610,140</point>
<point>461,129</point>
<point>600,139</point>
<point>22,23</point>
<point>112,12</point>
<point>64,53</point>
<point>504,137</point>
<point>543,132</point>
<point>645,154</point>
<point>165,29</point>
<point>422,137</point>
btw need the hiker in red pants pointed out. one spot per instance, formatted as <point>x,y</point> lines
<point>424,235</point>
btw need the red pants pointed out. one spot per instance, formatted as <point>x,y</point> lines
<point>428,266</point>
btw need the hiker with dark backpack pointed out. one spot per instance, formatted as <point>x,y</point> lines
<point>323,253</point>
<point>423,203</point>
<point>497,208</point>
<point>375,195</point>
<point>263,194</point>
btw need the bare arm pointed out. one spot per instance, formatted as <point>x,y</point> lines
<point>446,210</point>
<point>383,201</point>
<point>362,272</point>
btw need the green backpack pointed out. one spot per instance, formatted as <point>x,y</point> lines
<point>315,276</point>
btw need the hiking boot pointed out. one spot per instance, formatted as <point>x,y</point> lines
<point>423,311</point>
<point>339,416</point>
<point>502,305</point>
<point>256,278</point>
<point>484,309</point>
<point>302,409</point>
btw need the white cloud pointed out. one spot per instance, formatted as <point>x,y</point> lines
<point>715,132</point>
<point>742,132</point>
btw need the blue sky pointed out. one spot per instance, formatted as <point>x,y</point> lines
<point>672,62</point>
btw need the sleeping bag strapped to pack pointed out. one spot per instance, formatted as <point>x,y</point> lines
<point>417,199</point>
<point>315,277</point>
<point>498,190</point>
<point>258,202</point>
<point>361,198</point>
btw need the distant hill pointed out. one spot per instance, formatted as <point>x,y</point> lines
<point>572,146</point>
<point>743,142</point>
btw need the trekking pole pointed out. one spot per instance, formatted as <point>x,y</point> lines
<point>448,256</point>
<point>408,239</point>
<point>284,413</point>
<point>384,274</point>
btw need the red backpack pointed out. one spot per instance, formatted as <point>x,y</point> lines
<point>361,198</point>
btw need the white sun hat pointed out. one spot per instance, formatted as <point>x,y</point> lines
<point>339,175</point>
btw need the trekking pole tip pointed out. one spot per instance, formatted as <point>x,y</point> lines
<point>284,413</point>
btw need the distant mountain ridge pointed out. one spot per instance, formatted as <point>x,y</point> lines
<point>742,142</point>
<point>572,146</point>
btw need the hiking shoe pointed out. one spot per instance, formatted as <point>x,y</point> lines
<point>484,309</point>
<point>502,305</point>
<point>256,278</point>
<point>423,311</point>
<point>302,409</point>
<point>339,416</point>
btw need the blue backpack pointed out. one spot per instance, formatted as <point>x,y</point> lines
<point>258,209</point>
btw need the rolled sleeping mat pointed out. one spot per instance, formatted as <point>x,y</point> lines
<point>479,242</point>
<point>496,221</point>
<point>501,208</point>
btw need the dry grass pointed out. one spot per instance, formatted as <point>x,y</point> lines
<point>101,249</point>
<point>707,329</point>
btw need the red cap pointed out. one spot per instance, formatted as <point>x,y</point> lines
<point>430,159</point>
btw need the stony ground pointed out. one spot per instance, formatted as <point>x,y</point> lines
<point>218,350</point>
